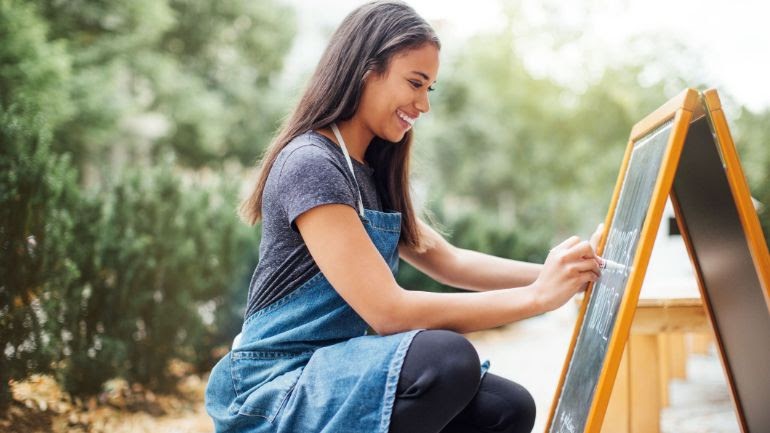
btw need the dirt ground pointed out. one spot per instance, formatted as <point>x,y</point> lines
<point>40,407</point>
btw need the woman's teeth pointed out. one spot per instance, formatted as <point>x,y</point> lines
<point>406,118</point>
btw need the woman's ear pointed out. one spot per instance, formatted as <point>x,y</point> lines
<point>372,75</point>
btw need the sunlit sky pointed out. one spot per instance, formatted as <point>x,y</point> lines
<point>731,38</point>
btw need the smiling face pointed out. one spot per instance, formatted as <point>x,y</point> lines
<point>391,102</point>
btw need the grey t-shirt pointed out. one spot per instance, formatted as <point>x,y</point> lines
<point>310,171</point>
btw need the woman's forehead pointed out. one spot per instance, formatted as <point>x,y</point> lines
<point>424,61</point>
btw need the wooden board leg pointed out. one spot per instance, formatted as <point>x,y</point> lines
<point>678,359</point>
<point>700,343</point>
<point>664,370</point>
<point>644,383</point>
<point>616,419</point>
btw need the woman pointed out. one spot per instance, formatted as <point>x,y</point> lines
<point>333,194</point>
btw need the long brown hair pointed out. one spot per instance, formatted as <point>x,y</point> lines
<point>365,42</point>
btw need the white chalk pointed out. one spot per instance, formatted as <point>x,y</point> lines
<point>612,265</point>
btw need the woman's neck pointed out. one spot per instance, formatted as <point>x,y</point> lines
<point>357,137</point>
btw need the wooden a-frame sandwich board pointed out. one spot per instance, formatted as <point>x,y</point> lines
<point>682,149</point>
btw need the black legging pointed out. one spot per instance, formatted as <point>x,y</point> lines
<point>439,391</point>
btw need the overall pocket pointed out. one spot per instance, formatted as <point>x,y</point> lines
<point>263,380</point>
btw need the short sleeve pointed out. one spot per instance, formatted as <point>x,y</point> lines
<point>311,177</point>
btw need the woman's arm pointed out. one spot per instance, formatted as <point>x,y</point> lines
<point>472,270</point>
<point>347,257</point>
<point>467,269</point>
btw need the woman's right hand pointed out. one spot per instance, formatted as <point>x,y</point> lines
<point>567,270</point>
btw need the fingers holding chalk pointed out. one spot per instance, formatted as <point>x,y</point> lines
<point>611,265</point>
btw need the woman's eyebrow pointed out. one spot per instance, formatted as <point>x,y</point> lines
<point>423,75</point>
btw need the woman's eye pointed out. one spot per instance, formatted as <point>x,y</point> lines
<point>417,85</point>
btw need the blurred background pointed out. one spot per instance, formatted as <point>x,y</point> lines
<point>129,129</point>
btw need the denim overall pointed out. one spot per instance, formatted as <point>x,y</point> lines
<point>304,364</point>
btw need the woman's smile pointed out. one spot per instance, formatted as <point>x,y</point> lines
<point>405,120</point>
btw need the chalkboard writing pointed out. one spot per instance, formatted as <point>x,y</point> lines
<point>596,330</point>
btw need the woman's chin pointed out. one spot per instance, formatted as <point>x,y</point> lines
<point>398,136</point>
<point>394,135</point>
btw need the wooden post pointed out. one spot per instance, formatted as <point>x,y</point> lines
<point>644,383</point>
<point>701,343</point>
<point>618,417</point>
<point>664,370</point>
<point>678,356</point>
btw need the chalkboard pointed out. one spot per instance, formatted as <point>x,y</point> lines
<point>683,149</point>
<point>621,247</point>
<point>727,256</point>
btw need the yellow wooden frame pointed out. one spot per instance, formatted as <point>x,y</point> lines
<point>681,108</point>
<point>737,180</point>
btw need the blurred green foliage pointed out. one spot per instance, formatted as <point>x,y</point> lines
<point>117,273</point>
<point>126,129</point>
<point>199,71</point>
<point>35,191</point>
<point>162,258</point>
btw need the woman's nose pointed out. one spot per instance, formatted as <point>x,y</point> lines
<point>423,103</point>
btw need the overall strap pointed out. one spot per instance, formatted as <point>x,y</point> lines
<point>350,164</point>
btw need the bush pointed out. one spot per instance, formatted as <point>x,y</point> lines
<point>164,255</point>
<point>37,192</point>
<point>38,196</point>
<point>114,282</point>
<point>107,282</point>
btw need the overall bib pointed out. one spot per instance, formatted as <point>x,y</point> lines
<point>304,364</point>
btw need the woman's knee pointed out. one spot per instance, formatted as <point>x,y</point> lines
<point>456,357</point>
<point>448,357</point>
<point>525,418</point>
<point>507,406</point>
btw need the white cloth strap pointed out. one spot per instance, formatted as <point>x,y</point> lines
<point>350,164</point>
